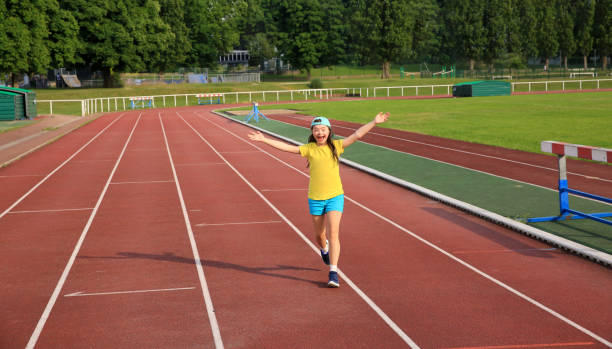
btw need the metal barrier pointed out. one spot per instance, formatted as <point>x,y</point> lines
<point>585,152</point>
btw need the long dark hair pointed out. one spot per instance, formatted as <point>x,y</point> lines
<point>329,142</point>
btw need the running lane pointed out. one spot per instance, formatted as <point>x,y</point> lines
<point>134,283</point>
<point>41,230</point>
<point>447,294</point>
<point>523,166</point>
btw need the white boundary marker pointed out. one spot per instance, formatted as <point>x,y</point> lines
<point>435,247</point>
<point>77,247</point>
<point>554,240</point>
<point>81,294</point>
<point>367,299</point>
<point>194,249</point>
<point>57,168</point>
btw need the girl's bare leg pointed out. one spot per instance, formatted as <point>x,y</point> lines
<point>333,223</point>
<point>319,228</point>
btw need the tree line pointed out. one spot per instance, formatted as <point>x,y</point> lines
<point>116,36</point>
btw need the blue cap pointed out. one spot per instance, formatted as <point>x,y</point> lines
<point>320,120</point>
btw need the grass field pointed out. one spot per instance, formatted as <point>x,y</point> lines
<point>515,122</point>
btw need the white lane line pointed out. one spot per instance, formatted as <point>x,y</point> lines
<point>444,252</point>
<point>468,152</point>
<point>58,210</point>
<point>77,247</point>
<point>144,182</point>
<point>508,250</point>
<point>357,290</point>
<point>57,169</point>
<point>237,223</point>
<point>81,294</point>
<point>194,249</point>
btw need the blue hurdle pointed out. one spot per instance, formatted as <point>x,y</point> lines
<point>141,102</point>
<point>209,98</point>
<point>255,113</point>
<point>585,152</point>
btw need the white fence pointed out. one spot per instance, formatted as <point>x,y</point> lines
<point>109,104</point>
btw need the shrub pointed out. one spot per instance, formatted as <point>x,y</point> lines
<point>316,83</point>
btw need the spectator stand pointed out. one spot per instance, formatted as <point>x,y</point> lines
<point>209,98</point>
<point>141,102</point>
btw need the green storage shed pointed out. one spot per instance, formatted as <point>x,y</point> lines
<point>23,103</point>
<point>482,88</point>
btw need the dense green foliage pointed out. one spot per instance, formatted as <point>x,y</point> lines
<point>162,35</point>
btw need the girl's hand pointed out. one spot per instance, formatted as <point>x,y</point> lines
<point>381,117</point>
<point>256,136</point>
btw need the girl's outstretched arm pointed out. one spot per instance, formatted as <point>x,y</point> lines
<point>259,137</point>
<point>380,118</point>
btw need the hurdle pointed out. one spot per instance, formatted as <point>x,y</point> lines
<point>209,98</point>
<point>582,151</point>
<point>141,102</point>
<point>255,113</point>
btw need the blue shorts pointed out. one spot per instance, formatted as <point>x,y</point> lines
<point>321,207</point>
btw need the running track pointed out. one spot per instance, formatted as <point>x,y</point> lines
<point>168,229</point>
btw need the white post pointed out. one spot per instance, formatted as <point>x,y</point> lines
<point>186,100</point>
<point>51,107</point>
<point>292,95</point>
<point>546,85</point>
<point>82,108</point>
<point>164,99</point>
<point>387,92</point>
<point>416,90</point>
<point>236,97</point>
<point>277,98</point>
<point>263,96</point>
<point>432,90</point>
<point>250,99</point>
<point>530,87</point>
<point>581,84</point>
<point>108,104</point>
<point>402,91</point>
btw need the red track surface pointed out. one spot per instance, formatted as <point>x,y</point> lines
<point>116,208</point>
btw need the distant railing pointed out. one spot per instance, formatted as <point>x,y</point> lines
<point>108,104</point>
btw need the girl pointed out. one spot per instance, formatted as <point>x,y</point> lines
<point>325,194</point>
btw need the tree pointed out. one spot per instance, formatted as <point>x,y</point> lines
<point>153,38</point>
<point>565,21</point>
<point>548,46</point>
<point>15,42</point>
<point>426,42</point>
<point>300,33</point>
<point>213,28</point>
<point>63,42</point>
<point>335,28</point>
<point>388,30</point>
<point>585,13</point>
<point>172,12</point>
<point>494,25</point>
<point>601,30</point>
<point>529,28</point>
<point>465,33</point>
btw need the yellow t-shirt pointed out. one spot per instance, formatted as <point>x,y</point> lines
<point>324,170</point>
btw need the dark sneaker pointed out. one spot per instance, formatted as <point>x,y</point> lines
<point>333,280</point>
<point>325,256</point>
